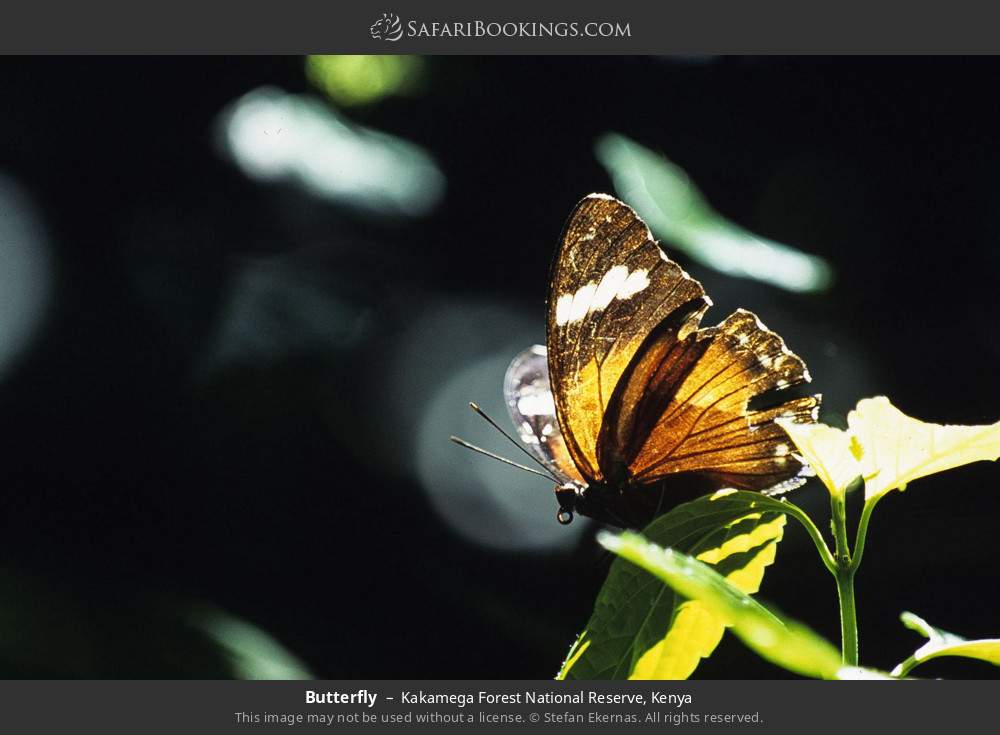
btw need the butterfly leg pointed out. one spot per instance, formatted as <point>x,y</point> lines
<point>659,504</point>
<point>619,521</point>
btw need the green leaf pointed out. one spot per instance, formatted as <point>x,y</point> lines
<point>665,197</point>
<point>783,642</point>
<point>942,643</point>
<point>828,452</point>
<point>888,448</point>
<point>640,628</point>
<point>896,449</point>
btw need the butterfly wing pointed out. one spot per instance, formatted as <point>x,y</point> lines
<point>682,406</point>
<point>611,286</point>
<point>529,401</point>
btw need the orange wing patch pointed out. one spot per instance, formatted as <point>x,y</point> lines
<point>691,414</point>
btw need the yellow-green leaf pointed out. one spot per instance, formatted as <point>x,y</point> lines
<point>783,642</point>
<point>888,448</point>
<point>639,628</point>
<point>828,452</point>
<point>896,449</point>
<point>695,631</point>
<point>942,643</point>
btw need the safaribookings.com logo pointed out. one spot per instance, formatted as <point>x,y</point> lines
<point>390,28</point>
<point>387,28</point>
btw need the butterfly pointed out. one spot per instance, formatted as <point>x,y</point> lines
<point>632,407</point>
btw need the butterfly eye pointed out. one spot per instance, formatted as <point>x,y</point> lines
<point>565,517</point>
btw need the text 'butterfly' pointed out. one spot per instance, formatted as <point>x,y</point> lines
<point>632,407</point>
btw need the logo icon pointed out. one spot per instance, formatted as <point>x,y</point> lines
<point>387,28</point>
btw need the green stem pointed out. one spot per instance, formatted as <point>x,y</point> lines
<point>844,575</point>
<point>859,541</point>
<point>904,668</point>
<point>814,533</point>
<point>838,510</point>
<point>848,618</point>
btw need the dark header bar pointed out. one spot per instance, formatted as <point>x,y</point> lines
<point>512,27</point>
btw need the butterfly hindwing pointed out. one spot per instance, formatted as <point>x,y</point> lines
<point>691,411</point>
<point>532,410</point>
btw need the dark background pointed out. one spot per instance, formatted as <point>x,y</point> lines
<point>151,466</point>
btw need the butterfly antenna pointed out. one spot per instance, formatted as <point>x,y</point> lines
<point>474,448</point>
<point>475,407</point>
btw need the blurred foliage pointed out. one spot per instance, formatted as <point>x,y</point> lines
<point>51,631</point>
<point>279,309</point>
<point>363,80</point>
<point>275,136</point>
<point>26,271</point>
<point>250,652</point>
<point>676,211</point>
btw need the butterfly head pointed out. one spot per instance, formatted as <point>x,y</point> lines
<point>570,496</point>
<point>596,500</point>
<point>576,498</point>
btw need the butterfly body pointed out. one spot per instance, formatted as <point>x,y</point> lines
<point>632,405</point>
<point>626,504</point>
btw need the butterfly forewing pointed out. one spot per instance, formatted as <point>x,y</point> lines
<point>611,286</point>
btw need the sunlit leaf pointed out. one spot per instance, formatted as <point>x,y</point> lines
<point>888,448</point>
<point>783,642</point>
<point>895,449</point>
<point>943,643</point>
<point>676,211</point>
<point>640,628</point>
<point>828,452</point>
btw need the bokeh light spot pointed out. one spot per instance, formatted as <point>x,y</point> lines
<point>275,136</point>
<point>25,272</point>
<point>362,80</point>
<point>664,195</point>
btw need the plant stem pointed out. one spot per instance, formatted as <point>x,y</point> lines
<point>848,618</point>
<point>859,541</point>
<point>904,668</point>
<point>814,533</point>
<point>845,582</point>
